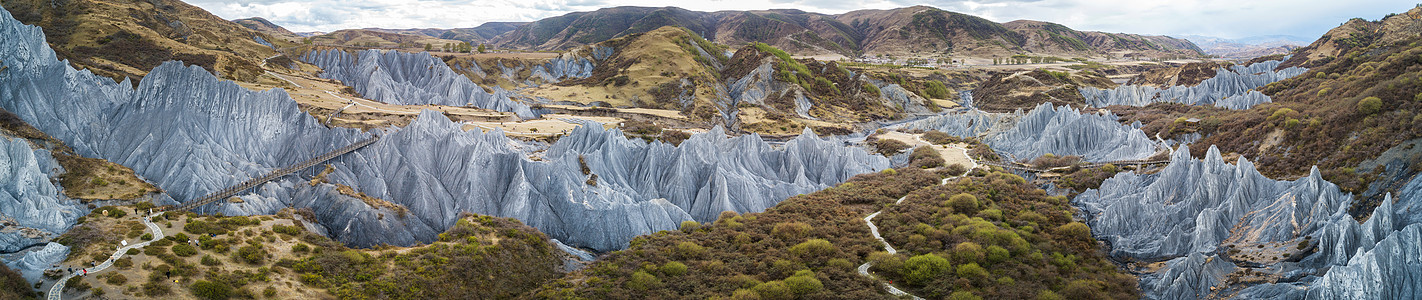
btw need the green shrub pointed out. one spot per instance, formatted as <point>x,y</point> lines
<point>287,230</point>
<point>1082,289</point>
<point>131,251</point>
<point>937,137</point>
<point>872,89</point>
<point>688,226</point>
<point>1369,105</point>
<point>211,290</point>
<point>116,279</point>
<point>146,237</point>
<point>673,268</point>
<point>971,271</point>
<point>300,248</point>
<point>774,290</point>
<point>156,288</point>
<point>252,254</point>
<point>184,250</point>
<point>936,90</point>
<point>124,263</point>
<point>804,282</point>
<point>813,249</point>
<point>791,230</point>
<point>208,260</point>
<point>966,252</point>
<point>921,269</point>
<point>964,203</point>
<point>997,254</point>
<point>1076,230</point>
<point>642,281</point>
<point>963,295</point>
<point>690,250</point>
<point>744,294</point>
<point>1049,295</point>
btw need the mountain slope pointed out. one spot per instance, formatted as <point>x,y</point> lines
<point>902,31</point>
<point>104,35</point>
<point>477,35</point>
<point>379,38</point>
<point>264,26</point>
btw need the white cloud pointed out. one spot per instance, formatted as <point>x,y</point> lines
<point>1223,18</point>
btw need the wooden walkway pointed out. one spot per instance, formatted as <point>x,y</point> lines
<point>1119,163</point>
<point>233,190</point>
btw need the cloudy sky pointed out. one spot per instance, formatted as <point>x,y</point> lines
<point>1219,18</point>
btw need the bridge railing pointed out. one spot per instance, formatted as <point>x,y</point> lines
<point>232,190</point>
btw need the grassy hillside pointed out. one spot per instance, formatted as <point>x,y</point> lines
<point>375,38</point>
<point>1009,91</point>
<point>103,35</point>
<point>274,257</point>
<point>264,26</point>
<point>657,69</point>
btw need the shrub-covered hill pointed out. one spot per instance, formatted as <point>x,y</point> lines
<point>275,257</point>
<point>994,236</point>
<point>1010,241</point>
<point>806,247</point>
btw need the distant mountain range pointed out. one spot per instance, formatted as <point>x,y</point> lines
<point>917,30</point>
<point>902,31</point>
<point>1248,47</point>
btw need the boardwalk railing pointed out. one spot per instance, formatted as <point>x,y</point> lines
<point>1085,166</point>
<point>233,190</point>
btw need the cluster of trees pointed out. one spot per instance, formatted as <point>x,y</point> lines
<point>458,47</point>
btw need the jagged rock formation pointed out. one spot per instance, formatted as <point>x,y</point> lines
<point>1231,88</point>
<point>639,188</point>
<point>1211,222</point>
<point>568,66</point>
<point>192,134</point>
<point>31,207</point>
<point>1047,129</point>
<point>970,123</point>
<point>411,79</point>
<point>32,263</point>
<point>1066,131</point>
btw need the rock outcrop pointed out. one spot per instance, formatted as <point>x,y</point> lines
<point>1066,131</point>
<point>32,262</point>
<point>1047,129</point>
<point>1211,221</point>
<point>1231,88</point>
<point>411,79</point>
<point>31,207</point>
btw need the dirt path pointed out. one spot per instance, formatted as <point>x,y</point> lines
<point>874,230</point>
<point>56,291</point>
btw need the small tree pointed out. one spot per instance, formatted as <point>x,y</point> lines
<point>428,47</point>
<point>481,48</point>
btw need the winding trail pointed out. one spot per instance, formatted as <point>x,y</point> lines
<point>869,220</point>
<point>56,291</point>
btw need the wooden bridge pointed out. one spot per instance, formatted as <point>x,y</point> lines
<point>1119,163</point>
<point>233,190</point>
